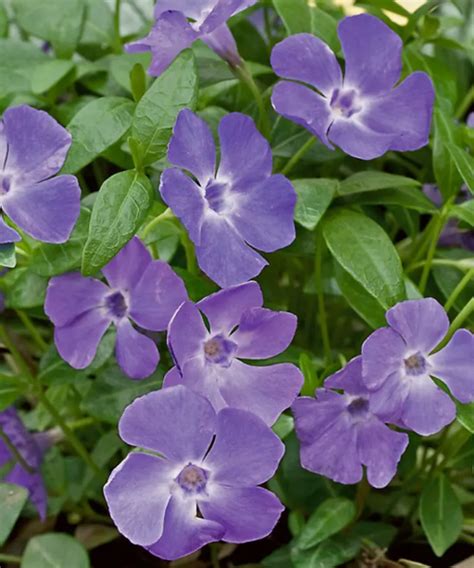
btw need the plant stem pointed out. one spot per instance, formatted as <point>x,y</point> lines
<point>363,490</point>
<point>117,37</point>
<point>459,288</point>
<point>457,323</point>
<point>323,324</point>
<point>243,73</point>
<point>15,453</point>
<point>465,103</point>
<point>438,227</point>
<point>9,558</point>
<point>297,157</point>
<point>40,342</point>
<point>167,214</point>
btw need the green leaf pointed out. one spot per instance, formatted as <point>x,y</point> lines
<point>465,212</point>
<point>13,499</point>
<point>51,260</point>
<point>440,514</point>
<point>407,197</point>
<point>98,26</point>
<point>122,66</point>
<point>3,21</point>
<point>49,74</point>
<point>465,415</point>
<point>364,250</point>
<point>445,170</point>
<point>311,381</point>
<point>324,26</point>
<point>55,550</point>
<point>464,164</point>
<point>296,15</point>
<point>18,60</point>
<point>314,197</point>
<point>95,128</point>
<point>283,426</point>
<point>335,551</point>
<point>7,255</point>
<point>28,291</point>
<point>362,182</point>
<point>159,107</point>
<point>55,21</point>
<point>120,208</point>
<point>11,388</point>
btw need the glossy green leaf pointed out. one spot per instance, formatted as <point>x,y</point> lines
<point>7,255</point>
<point>120,208</point>
<point>58,22</point>
<point>13,499</point>
<point>55,550</point>
<point>314,197</point>
<point>362,182</point>
<point>440,514</point>
<point>364,250</point>
<point>464,163</point>
<point>49,74</point>
<point>159,107</point>
<point>95,128</point>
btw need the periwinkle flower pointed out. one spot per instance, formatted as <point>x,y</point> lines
<point>179,23</point>
<point>398,362</point>
<point>31,448</point>
<point>362,112</point>
<point>208,360</point>
<point>139,290</point>
<point>234,208</point>
<point>340,433</point>
<point>33,148</point>
<point>203,485</point>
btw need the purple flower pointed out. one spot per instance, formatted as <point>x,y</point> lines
<point>208,361</point>
<point>361,112</point>
<point>203,486</point>
<point>228,211</point>
<point>339,433</point>
<point>140,290</point>
<point>33,148</point>
<point>173,32</point>
<point>399,362</point>
<point>31,450</point>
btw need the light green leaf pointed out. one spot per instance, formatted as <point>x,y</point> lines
<point>28,291</point>
<point>55,550</point>
<point>99,24</point>
<point>18,60</point>
<point>13,499</point>
<point>324,26</point>
<point>295,14</point>
<point>364,250</point>
<point>464,164</point>
<point>95,128</point>
<point>159,107</point>
<point>440,514</point>
<point>120,208</point>
<point>314,197</point>
<point>372,181</point>
<point>49,74</point>
<point>55,21</point>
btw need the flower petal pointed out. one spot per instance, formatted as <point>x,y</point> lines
<point>245,153</point>
<point>136,354</point>
<point>70,295</point>
<point>184,532</point>
<point>157,296</point>
<point>305,58</point>
<point>137,494</point>
<point>357,139</point>
<point>246,513</point>
<point>304,106</point>
<point>349,378</point>
<point>7,234</point>
<point>47,210</point>
<point>37,144</point>
<point>222,11</point>
<point>422,323</point>
<point>382,355</point>
<point>78,340</point>
<point>373,54</point>
<point>192,9</point>
<point>225,308</point>
<point>264,214</point>
<point>246,452</point>
<point>174,422</point>
<point>172,378</point>
<point>186,334</point>
<point>127,267</point>
<point>405,113</point>
<point>380,450</point>
<point>204,380</point>
<point>223,255</point>
<point>192,146</point>
<point>185,199</point>
<point>263,333</point>
<point>265,391</point>
<point>222,42</point>
<point>454,365</point>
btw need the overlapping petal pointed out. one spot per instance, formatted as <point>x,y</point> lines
<point>136,354</point>
<point>126,269</point>
<point>186,333</point>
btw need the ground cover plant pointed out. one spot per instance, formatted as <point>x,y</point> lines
<point>237,276</point>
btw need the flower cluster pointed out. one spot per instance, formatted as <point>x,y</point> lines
<point>390,383</point>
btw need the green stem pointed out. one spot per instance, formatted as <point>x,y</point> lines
<point>10,559</point>
<point>215,556</point>
<point>191,262</point>
<point>459,288</point>
<point>362,493</point>
<point>40,342</point>
<point>167,214</point>
<point>38,390</point>
<point>438,227</point>
<point>15,453</point>
<point>437,262</point>
<point>297,157</point>
<point>465,104</point>
<point>323,323</point>
<point>457,323</point>
<point>242,72</point>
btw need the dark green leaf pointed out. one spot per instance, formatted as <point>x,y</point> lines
<point>121,207</point>
<point>3,21</point>
<point>441,514</point>
<point>96,127</point>
<point>314,197</point>
<point>373,181</point>
<point>296,15</point>
<point>365,251</point>
<point>464,164</point>
<point>158,109</point>
<point>445,169</point>
<point>335,551</point>
<point>13,499</point>
<point>11,388</point>
<point>55,550</point>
